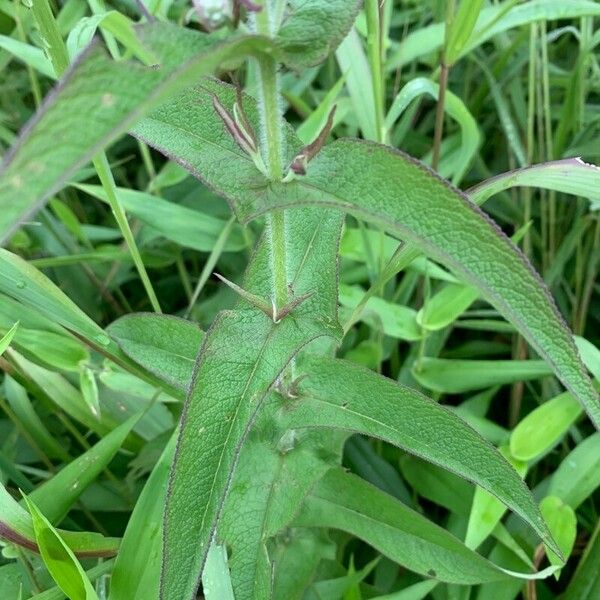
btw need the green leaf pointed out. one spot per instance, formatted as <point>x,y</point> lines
<point>59,558</point>
<point>136,575</point>
<point>395,192</point>
<point>27,285</point>
<point>103,568</point>
<point>184,226</point>
<point>578,475</point>
<point>569,176</point>
<point>387,188</point>
<point>16,527</point>
<point>312,29</point>
<point>343,501</point>
<point>454,376</point>
<point>454,106</point>
<point>338,394</point>
<point>544,427</point>
<point>446,306</point>
<point>562,522</point>
<point>7,338</point>
<point>65,395</point>
<point>354,65</point>
<point>487,510</point>
<point>492,21</point>
<point>313,125</point>
<point>437,485</point>
<point>56,496</point>
<point>242,355</point>
<point>22,407</point>
<point>461,28</point>
<point>585,584</point>
<point>121,92</point>
<point>393,319</point>
<point>277,468</point>
<point>58,351</point>
<point>30,55</point>
<point>89,389</point>
<point>216,580</point>
<point>164,345</point>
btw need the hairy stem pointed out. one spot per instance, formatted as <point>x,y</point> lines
<point>273,155</point>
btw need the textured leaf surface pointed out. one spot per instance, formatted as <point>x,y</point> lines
<point>345,502</point>
<point>395,192</point>
<point>120,92</point>
<point>164,345</point>
<point>277,468</point>
<point>312,29</point>
<point>336,393</point>
<point>243,354</point>
<point>387,188</point>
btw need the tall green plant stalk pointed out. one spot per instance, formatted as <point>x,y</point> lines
<point>272,141</point>
<point>439,112</point>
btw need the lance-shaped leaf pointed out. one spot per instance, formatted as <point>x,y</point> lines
<point>346,502</point>
<point>312,29</point>
<point>570,176</point>
<point>336,393</point>
<point>16,527</point>
<point>120,93</point>
<point>27,285</point>
<point>388,188</point>
<point>243,354</point>
<point>59,559</point>
<point>56,496</point>
<point>136,575</point>
<point>401,195</point>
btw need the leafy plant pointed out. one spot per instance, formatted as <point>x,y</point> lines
<point>243,494</point>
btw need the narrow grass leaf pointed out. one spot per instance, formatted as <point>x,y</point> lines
<point>578,475</point>
<point>7,338</point>
<point>492,21</point>
<point>24,283</point>
<point>59,559</point>
<point>136,575</point>
<point>569,176</point>
<point>56,496</point>
<point>184,226</point>
<point>454,376</point>
<point>16,527</point>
